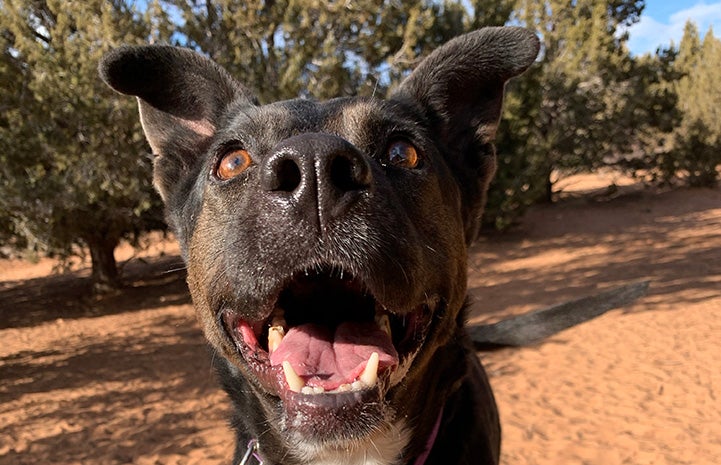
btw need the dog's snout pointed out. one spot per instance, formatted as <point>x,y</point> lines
<point>321,171</point>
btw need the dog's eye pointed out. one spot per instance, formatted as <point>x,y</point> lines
<point>403,155</point>
<point>233,164</point>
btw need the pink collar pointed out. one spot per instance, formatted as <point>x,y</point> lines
<point>421,460</point>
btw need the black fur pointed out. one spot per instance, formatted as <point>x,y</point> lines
<point>323,199</point>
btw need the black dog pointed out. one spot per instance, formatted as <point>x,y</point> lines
<point>326,247</point>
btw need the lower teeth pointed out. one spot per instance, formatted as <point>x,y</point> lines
<point>367,379</point>
<point>352,387</point>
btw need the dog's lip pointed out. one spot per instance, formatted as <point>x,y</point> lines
<point>409,328</point>
<point>274,381</point>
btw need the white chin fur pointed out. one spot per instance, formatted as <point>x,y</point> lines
<point>383,448</point>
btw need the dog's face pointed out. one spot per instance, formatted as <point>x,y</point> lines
<point>326,242</point>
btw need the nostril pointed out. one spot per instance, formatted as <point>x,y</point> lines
<point>341,174</point>
<point>288,175</point>
<point>281,173</point>
<point>316,164</point>
<point>349,173</point>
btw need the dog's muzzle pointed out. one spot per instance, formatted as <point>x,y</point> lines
<point>329,350</point>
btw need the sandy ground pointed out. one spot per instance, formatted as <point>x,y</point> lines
<point>127,378</point>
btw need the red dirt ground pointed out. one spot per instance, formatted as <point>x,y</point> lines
<point>127,378</point>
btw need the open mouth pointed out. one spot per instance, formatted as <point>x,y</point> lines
<point>328,341</point>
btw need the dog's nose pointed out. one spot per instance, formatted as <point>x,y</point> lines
<point>322,168</point>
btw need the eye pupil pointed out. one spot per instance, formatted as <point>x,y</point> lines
<point>233,164</point>
<point>403,154</point>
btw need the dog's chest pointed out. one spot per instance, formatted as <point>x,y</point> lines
<point>381,449</point>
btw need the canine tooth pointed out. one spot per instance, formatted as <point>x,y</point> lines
<point>384,323</point>
<point>370,372</point>
<point>295,382</point>
<point>275,337</point>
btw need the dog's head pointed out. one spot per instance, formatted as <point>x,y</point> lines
<point>326,241</point>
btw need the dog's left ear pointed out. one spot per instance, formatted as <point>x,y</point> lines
<point>460,88</point>
<point>182,96</point>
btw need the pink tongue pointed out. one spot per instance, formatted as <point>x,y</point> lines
<point>327,359</point>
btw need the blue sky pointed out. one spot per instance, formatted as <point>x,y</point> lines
<point>662,21</point>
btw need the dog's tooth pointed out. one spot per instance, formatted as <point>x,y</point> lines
<point>295,382</point>
<point>275,337</point>
<point>307,390</point>
<point>357,386</point>
<point>370,372</point>
<point>344,388</point>
<point>384,323</point>
<point>311,390</point>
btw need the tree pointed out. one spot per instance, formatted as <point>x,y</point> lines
<point>70,150</point>
<point>697,140</point>
<point>290,48</point>
<point>679,105</point>
<point>563,115</point>
<point>655,115</point>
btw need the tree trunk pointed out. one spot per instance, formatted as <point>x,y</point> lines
<point>548,188</point>
<point>548,194</point>
<point>105,269</point>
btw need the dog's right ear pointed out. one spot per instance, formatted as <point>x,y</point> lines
<point>182,96</point>
<point>460,89</point>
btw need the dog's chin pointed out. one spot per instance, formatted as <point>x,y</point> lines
<point>331,353</point>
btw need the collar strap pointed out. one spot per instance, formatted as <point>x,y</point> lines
<point>421,460</point>
<point>251,453</point>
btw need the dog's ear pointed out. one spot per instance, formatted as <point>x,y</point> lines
<point>460,88</point>
<point>182,96</point>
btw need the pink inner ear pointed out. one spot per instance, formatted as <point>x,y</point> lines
<point>201,127</point>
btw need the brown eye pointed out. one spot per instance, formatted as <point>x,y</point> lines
<point>233,164</point>
<point>402,154</point>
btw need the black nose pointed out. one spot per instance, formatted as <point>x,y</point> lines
<point>322,172</point>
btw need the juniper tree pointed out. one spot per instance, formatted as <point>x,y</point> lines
<point>71,152</point>
<point>289,48</point>
<point>696,151</point>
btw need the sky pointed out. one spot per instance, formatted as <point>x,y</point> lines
<point>662,21</point>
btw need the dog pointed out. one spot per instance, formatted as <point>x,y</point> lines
<point>326,246</point>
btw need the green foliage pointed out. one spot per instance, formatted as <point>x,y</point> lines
<point>654,115</point>
<point>290,48</point>
<point>697,140</point>
<point>679,110</point>
<point>568,113</point>
<point>70,150</point>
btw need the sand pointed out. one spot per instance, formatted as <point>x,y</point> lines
<point>127,378</point>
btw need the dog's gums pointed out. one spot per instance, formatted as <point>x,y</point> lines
<point>327,335</point>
